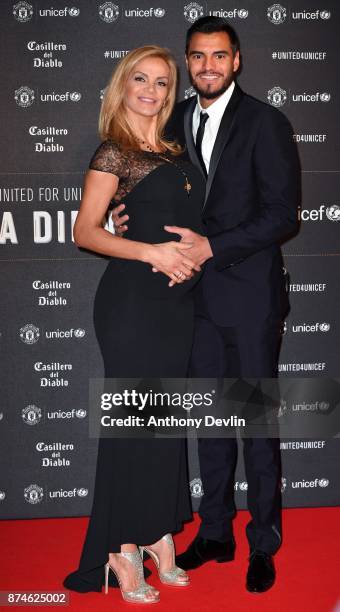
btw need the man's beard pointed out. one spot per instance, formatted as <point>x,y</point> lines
<point>211,95</point>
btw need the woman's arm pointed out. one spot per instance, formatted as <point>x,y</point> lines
<point>99,189</point>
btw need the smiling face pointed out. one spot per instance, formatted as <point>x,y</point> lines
<point>147,87</point>
<point>211,64</point>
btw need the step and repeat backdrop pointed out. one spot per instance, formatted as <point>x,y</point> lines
<point>56,61</point>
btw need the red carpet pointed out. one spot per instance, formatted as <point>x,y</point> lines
<point>37,554</point>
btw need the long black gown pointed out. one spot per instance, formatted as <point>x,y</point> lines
<point>144,328</point>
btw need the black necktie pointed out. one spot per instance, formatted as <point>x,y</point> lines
<point>199,137</point>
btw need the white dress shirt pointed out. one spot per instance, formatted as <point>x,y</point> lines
<point>215,112</point>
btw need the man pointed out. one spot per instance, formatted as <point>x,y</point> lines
<point>245,150</point>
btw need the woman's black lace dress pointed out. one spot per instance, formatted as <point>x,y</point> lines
<point>144,328</point>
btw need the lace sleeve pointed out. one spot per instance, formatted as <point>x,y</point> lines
<point>109,158</point>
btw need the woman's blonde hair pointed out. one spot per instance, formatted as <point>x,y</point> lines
<point>113,121</point>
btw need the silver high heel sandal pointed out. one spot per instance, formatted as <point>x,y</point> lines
<point>139,595</point>
<point>173,576</point>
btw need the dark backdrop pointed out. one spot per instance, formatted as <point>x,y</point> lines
<point>56,61</point>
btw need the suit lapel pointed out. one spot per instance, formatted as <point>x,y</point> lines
<point>222,137</point>
<point>189,139</point>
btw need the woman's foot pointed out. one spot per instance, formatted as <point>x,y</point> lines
<point>129,571</point>
<point>164,553</point>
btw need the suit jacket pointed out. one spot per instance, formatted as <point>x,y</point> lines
<point>251,200</point>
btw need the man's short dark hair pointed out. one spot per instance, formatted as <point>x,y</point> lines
<point>209,25</point>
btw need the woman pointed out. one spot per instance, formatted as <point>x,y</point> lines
<point>143,321</point>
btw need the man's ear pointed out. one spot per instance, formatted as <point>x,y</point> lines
<point>236,61</point>
<point>186,61</point>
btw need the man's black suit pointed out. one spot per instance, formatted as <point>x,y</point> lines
<point>252,194</point>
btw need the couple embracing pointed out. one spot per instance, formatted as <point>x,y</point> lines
<point>204,193</point>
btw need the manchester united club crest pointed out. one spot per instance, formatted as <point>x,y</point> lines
<point>193,11</point>
<point>23,11</point>
<point>109,12</point>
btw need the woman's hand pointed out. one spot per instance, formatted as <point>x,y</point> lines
<point>172,268</point>
<point>171,259</point>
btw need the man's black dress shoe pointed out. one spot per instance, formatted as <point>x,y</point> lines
<point>201,550</point>
<point>261,572</point>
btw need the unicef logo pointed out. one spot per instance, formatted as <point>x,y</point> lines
<point>333,212</point>
<point>82,492</point>
<point>324,327</point>
<point>75,96</point>
<point>2,495</point>
<point>79,333</point>
<point>189,93</point>
<point>283,484</point>
<point>277,96</point>
<point>159,12</point>
<point>29,334</point>
<point>193,11</point>
<point>31,415</point>
<point>325,14</point>
<point>242,13</point>
<point>81,413</point>
<point>102,93</point>
<point>323,482</point>
<point>23,11</point>
<point>73,11</point>
<point>33,494</point>
<point>243,486</point>
<point>109,12</point>
<point>24,96</point>
<point>284,328</point>
<point>276,14</point>
<point>196,488</point>
<point>325,97</point>
<point>323,406</point>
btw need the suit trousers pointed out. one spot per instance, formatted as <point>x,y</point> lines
<point>240,351</point>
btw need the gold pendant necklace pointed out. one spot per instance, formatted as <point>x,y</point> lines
<point>187,185</point>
